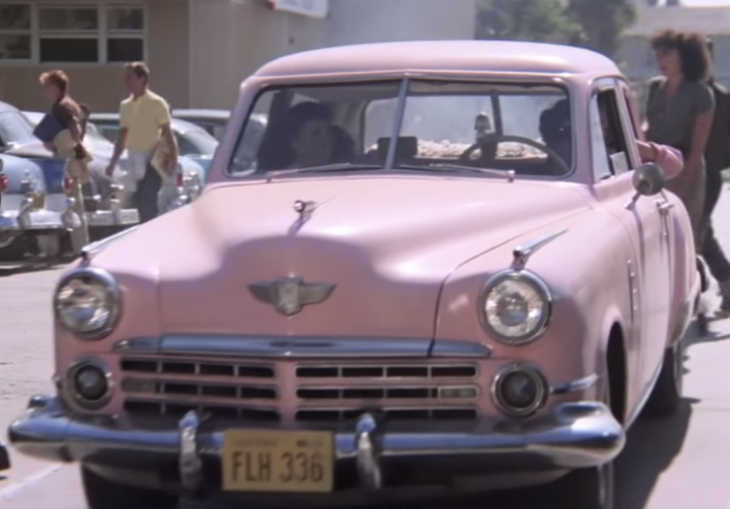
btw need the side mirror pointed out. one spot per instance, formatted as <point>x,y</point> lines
<point>648,179</point>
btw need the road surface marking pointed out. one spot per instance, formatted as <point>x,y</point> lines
<point>8,491</point>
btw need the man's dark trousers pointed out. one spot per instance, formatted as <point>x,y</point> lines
<point>711,249</point>
<point>146,196</point>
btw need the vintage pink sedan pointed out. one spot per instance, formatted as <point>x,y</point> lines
<point>441,265</point>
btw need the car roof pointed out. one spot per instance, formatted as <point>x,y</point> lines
<point>7,107</point>
<point>177,124</point>
<point>202,114</point>
<point>34,116</point>
<point>432,57</point>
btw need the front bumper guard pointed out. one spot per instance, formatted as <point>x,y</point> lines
<point>573,435</point>
<point>28,219</point>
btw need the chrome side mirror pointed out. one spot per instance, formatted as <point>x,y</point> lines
<point>648,179</point>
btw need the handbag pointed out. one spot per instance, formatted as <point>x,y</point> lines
<point>48,128</point>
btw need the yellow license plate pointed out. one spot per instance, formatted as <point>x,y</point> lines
<point>278,461</point>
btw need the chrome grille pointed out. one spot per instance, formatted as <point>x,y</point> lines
<point>407,391</point>
<point>158,387</point>
<point>148,408</point>
<point>340,392</point>
<point>398,414</point>
<point>405,371</point>
<point>180,367</point>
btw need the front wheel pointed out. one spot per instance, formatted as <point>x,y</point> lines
<point>587,488</point>
<point>667,393</point>
<point>101,493</point>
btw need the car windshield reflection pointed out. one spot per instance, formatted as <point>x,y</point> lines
<point>523,128</point>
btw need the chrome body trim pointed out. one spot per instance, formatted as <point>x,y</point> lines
<point>289,295</point>
<point>572,435</point>
<point>578,385</point>
<point>523,252</point>
<point>69,385</point>
<point>528,277</point>
<point>303,347</point>
<point>533,372</point>
<point>112,288</point>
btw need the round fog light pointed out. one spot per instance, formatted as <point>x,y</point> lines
<point>89,383</point>
<point>519,390</point>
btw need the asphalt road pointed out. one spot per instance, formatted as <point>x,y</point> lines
<point>679,463</point>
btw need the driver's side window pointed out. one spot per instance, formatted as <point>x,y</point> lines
<point>610,155</point>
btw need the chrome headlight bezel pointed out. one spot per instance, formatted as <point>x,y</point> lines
<point>541,386</point>
<point>113,294</point>
<point>70,379</point>
<point>537,284</point>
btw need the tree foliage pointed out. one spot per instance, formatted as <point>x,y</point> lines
<point>603,22</point>
<point>595,24</point>
<point>526,20</point>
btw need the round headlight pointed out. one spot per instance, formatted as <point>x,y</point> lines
<point>519,390</point>
<point>515,307</point>
<point>89,382</point>
<point>87,303</point>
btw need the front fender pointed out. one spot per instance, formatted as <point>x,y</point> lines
<point>589,279</point>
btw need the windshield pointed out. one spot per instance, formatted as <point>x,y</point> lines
<point>196,142</point>
<point>523,127</point>
<point>15,128</point>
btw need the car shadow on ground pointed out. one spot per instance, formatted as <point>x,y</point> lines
<point>650,449</point>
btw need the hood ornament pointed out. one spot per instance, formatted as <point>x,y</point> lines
<point>289,295</point>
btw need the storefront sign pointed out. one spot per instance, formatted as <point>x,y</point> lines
<point>312,8</point>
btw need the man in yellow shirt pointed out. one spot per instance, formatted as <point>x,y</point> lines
<point>144,121</point>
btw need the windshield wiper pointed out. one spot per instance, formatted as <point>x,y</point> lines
<point>510,174</point>
<point>325,168</point>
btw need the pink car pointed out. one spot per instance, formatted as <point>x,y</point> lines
<point>442,264</point>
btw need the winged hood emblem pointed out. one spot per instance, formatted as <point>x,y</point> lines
<point>289,295</point>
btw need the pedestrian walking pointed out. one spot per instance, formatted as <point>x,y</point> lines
<point>68,144</point>
<point>717,157</point>
<point>144,121</point>
<point>679,114</point>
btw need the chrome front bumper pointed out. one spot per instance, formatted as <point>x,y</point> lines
<point>573,435</point>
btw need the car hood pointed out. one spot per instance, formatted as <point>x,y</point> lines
<point>387,244</point>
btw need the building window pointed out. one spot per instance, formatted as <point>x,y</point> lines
<point>68,34</point>
<point>16,36</point>
<point>87,33</point>
<point>125,34</point>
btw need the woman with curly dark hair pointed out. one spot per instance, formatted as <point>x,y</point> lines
<point>679,113</point>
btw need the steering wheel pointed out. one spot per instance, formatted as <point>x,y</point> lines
<point>499,138</point>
